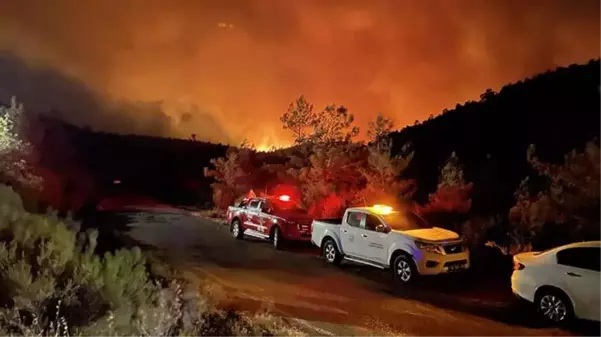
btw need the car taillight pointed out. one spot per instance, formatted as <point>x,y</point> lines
<point>518,266</point>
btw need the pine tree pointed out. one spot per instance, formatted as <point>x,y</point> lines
<point>379,129</point>
<point>334,124</point>
<point>299,118</point>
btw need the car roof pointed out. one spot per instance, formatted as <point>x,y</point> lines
<point>583,244</point>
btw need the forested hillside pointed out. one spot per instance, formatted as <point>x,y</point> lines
<point>557,111</point>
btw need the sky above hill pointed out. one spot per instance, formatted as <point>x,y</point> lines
<point>226,69</point>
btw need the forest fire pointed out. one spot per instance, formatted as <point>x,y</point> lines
<point>224,65</point>
<point>420,138</point>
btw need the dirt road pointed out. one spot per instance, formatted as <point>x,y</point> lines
<point>347,300</point>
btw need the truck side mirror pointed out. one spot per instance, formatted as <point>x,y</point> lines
<point>381,228</point>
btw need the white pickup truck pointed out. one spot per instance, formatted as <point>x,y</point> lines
<point>384,238</point>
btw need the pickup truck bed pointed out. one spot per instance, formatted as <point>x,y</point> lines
<point>325,227</point>
<point>331,221</point>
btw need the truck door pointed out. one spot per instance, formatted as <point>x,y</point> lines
<point>349,233</point>
<point>252,215</point>
<point>263,218</point>
<point>373,242</point>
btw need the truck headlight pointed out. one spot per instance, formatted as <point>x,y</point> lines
<point>429,247</point>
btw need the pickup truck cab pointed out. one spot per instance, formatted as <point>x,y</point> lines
<point>398,240</point>
<point>270,218</point>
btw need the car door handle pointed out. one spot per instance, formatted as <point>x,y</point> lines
<point>572,274</point>
<point>344,231</point>
<point>364,235</point>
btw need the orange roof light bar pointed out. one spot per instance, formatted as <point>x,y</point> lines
<point>382,209</point>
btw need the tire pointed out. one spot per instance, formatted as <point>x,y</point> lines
<point>276,239</point>
<point>236,230</point>
<point>554,306</point>
<point>330,252</point>
<point>404,270</point>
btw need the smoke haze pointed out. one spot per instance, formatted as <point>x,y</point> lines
<point>226,69</point>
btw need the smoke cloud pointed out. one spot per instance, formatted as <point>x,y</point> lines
<point>227,69</point>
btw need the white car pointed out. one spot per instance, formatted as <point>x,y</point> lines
<point>400,240</point>
<point>563,282</point>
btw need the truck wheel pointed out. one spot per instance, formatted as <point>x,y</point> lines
<point>404,269</point>
<point>236,230</point>
<point>330,252</point>
<point>277,239</point>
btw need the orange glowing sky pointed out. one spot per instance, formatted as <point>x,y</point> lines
<point>226,69</point>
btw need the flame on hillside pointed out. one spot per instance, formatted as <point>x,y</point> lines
<point>270,143</point>
<point>268,147</point>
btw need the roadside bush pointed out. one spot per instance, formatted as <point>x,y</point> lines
<point>53,283</point>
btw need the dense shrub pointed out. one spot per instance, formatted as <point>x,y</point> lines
<point>52,282</point>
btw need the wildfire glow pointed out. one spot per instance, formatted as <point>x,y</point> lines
<point>226,72</point>
<point>263,148</point>
<point>268,146</point>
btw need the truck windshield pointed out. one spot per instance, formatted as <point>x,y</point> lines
<point>404,221</point>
